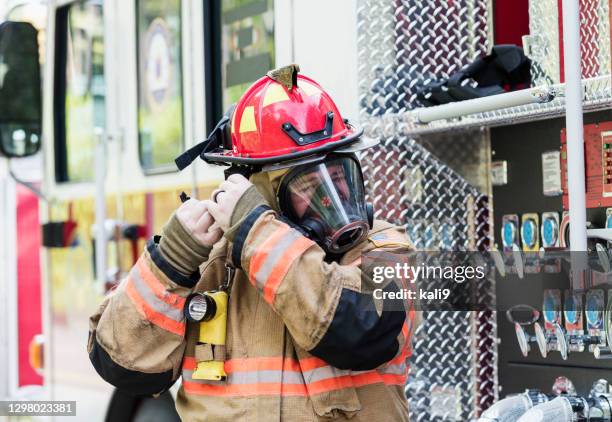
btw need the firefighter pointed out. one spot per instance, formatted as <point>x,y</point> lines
<point>282,239</point>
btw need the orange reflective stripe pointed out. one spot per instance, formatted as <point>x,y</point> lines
<point>189,363</point>
<point>245,390</point>
<point>405,330</point>
<point>318,387</point>
<point>273,258</point>
<point>263,250</point>
<point>280,270</point>
<point>331,384</point>
<point>354,380</point>
<point>391,379</point>
<point>157,287</point>
<point>262,364</point>
<point>311,363</point>
<point>344,379</point>
<point>276,364</point>
<point>150,314</point>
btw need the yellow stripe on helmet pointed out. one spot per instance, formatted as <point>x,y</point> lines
<point>247,122</point>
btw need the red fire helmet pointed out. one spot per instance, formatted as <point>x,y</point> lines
<point>283,116</point>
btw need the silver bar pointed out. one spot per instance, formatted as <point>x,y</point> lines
<point>604,234</point>
<point>537,95</point>
<point>574,124</point>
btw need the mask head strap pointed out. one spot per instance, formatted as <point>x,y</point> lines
<point>218,137</point>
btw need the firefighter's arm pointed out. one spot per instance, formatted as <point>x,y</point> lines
<point>137,337</point>
<point>321,303</point>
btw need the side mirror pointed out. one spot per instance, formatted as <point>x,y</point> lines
<point>20,90</point>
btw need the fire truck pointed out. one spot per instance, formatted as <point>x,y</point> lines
<point>464,164</point>
<point>126,87</point>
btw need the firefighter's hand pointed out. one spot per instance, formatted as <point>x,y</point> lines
<point>197,220</point>
<point>224,199</point>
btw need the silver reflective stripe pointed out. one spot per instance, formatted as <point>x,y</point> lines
<point>152,300</point>
<point>324,373</point>
<point>394,369</point>
<point>327,372</point>
<point>275,255</point>
<point>291,377</point>
<point>252,377</point>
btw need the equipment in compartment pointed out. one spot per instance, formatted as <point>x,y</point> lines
<point>594,307</point>
<point>574,322</point>
<point>510,231</point>
<point>598,165</point>
<point>570,337</point>
<point>588,353</point>
<point>609,218</point>
<point>551,173</point>
<point>550,229</point>
<point>564,229</point>
<point>551,308</point>
<point>562,404</point>
<point>530,237</point>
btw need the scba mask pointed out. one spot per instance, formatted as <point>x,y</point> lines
<point>326,199</point>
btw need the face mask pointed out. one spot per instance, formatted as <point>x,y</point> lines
<point>327,201</point>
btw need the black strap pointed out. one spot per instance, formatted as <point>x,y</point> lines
<point>215,140</point>
<point>167,268</point>
<point>243,231</point>
<point>189,156</point>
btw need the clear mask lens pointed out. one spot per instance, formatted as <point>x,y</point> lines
<point>330,197</point>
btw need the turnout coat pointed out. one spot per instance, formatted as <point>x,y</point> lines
<point>300,344</point>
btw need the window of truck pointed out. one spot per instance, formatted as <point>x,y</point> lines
<point>160,84</point>
<point>79,89</point>
<point>248,44</point>
<point>239,50</point>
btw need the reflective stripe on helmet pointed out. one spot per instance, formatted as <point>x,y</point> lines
<point>247,121</point>
<point>275,94</point>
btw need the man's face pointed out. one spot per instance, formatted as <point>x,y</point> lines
<point>307,189</point>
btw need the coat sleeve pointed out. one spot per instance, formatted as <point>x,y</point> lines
<point>321,303</point>
<point>137,336</point>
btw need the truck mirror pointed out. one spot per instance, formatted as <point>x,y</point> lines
<point>20,90</point>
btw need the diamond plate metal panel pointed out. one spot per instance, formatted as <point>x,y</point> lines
<point>401,48</point>
<point>435,186</point>
<point>597,96</point>
<point>406,43</point>
<point>453,372</point>
<point>544,42</point>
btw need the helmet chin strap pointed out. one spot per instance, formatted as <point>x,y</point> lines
<point>245,171</point>
<point>215,139</point>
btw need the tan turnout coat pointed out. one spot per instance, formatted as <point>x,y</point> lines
<point>281,304</point>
